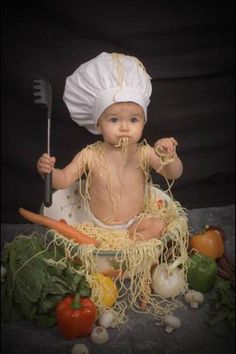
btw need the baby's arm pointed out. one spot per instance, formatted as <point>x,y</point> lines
<point>61,178</point>
<point>166,146</point>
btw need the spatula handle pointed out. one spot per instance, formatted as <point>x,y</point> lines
<point>48,190</point>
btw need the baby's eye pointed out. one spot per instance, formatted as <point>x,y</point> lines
<point>113,119</point>
<point>134,119</point>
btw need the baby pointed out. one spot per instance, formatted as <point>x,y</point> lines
<point>109,95</point>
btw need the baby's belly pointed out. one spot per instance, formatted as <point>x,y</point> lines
<point>116,209</point>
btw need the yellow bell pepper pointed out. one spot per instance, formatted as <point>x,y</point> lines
<point>109,290</point>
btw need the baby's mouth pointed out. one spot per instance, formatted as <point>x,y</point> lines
<point>123,143</point>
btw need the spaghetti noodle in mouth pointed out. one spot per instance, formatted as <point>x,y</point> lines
<point>123,143</point>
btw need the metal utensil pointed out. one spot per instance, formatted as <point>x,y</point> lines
<point>43,94</point>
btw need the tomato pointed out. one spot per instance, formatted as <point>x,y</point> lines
<point>210,242</point>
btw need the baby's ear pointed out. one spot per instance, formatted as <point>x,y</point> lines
<point>98,128</point>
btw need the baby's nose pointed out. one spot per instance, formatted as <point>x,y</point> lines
<point>124,126</point>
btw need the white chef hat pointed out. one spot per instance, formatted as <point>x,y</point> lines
<point>102,81</point>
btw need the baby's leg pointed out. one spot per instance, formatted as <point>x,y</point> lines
<point>147,228</point>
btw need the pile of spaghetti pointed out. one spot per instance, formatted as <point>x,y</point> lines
<point>132,261</point>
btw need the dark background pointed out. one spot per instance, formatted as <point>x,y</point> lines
<point>187,48</point>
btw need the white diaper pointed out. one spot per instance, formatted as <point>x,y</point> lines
<point>99,223</point>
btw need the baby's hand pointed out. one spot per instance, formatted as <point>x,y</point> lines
<point>45,164</point>
<point>165,146</point>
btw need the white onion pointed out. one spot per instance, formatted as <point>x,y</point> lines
<point>168,283</point>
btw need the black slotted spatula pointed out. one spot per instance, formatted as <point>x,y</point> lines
<point>43,95</point>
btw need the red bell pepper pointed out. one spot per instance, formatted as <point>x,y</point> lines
<point>75,316</point>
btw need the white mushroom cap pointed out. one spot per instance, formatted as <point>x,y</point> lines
<point>79,348</point>
<point>194,298</point>
<point>99,335</point>
<point>106,319</point>
<point>171,322</point>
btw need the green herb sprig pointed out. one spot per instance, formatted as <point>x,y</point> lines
<point>223,304</point>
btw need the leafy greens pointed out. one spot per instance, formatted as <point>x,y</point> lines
<point>36,280</point>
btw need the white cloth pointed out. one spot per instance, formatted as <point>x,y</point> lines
<point>102,81</point>
<point>99,223</point>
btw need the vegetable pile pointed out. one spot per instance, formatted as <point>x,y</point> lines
<point>34,284</point>
<point>42,284</point>
<point>211,267</point>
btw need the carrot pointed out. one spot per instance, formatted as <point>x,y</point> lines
<point>62,228</point>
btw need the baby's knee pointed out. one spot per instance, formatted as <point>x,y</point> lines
<point>158,226</point>
<point>148,228</point>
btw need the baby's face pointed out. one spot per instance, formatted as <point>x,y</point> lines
<point>121,120</point>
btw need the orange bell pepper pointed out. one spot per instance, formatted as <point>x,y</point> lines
<point>209,242</point>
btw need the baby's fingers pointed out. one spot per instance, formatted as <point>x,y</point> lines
<point>165,146</point>
<point>46,159</point>
<point>171,145</point>
<point>45,163</point>
<point>174,142</point>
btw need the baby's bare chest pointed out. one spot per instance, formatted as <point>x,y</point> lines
<point>118,175</point>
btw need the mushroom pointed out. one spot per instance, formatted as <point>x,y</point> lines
<point>171,322</point>
<point>79,348</point>
<point>99,335</point>
<point>194,298</point>
<point>106,319</point>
